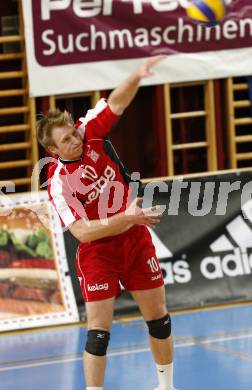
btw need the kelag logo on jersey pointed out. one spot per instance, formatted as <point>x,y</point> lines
<point>100,183</point>
<point>93,184</point>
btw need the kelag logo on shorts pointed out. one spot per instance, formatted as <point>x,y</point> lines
<point>79,31</point>
<point>98,287</point>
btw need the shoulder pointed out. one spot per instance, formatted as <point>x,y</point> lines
<point>100,111</point>
<point>56,172</point>
<point>54,168</point>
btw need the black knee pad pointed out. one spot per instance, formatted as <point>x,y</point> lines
<point>97,342</point>
<point>160,329</point>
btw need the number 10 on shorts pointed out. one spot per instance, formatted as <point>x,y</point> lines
<point>153,264</point>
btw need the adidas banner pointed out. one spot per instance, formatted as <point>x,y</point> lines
<point>204,241</point>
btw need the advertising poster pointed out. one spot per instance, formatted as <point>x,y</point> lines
<point>93,45</point>
<point>35,287</point>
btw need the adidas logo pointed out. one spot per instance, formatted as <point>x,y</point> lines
<point>238,261</point>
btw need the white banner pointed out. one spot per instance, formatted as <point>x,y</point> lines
<point>79,45</point>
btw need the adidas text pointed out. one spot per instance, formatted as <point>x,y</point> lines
<point>232,265</point>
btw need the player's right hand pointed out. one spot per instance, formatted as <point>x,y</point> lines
<point>149,216</point>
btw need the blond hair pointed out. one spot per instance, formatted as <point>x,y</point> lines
<point>45,125</point>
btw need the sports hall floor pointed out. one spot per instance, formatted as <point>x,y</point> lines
<point>213,351</point>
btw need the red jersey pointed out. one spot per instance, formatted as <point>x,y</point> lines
<point>96,185</point>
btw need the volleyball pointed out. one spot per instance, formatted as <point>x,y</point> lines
<point>207,12</point>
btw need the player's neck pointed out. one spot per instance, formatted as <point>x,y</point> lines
<point>63,159</point>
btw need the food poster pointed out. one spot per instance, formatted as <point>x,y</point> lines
<point>35,286</point>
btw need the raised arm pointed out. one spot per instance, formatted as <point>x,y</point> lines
<point>122,96</point>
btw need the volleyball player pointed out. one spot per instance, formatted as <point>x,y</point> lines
<point>90,190</point>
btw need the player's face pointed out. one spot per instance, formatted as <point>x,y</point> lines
<point>68,144</point>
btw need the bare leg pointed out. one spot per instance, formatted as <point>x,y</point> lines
<point>99,316</point>
<point>152,306</point>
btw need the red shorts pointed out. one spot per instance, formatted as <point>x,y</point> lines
<point>129,259</point>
